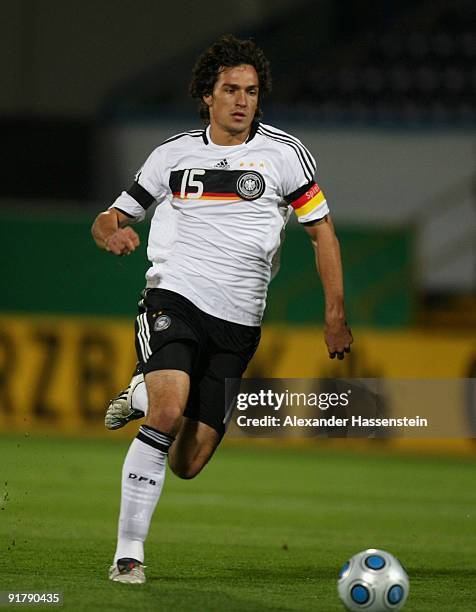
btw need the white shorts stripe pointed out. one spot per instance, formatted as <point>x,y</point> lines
<point>147,335</point>
<point>141,337</point>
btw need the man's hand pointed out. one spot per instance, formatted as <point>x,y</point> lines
<point>338,338</point>
<point>112,233</point>
<point>122,242</point>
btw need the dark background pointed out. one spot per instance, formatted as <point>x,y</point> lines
<point>72,71</point>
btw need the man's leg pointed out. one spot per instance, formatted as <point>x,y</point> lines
<point>194,445</point>
<point>144,467</point>
<point>206,416</point>
<point>196,441</point>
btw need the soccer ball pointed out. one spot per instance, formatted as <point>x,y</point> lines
<point>373,581</point>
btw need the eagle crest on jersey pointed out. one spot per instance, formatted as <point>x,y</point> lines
<point>250,185</point>
<point>162,322</point>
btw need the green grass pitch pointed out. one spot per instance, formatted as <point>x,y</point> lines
<point>261,529</point>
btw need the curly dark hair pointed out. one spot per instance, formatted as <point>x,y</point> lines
<point>228,51</point>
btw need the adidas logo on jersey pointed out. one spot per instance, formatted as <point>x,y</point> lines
<point>223,164</point>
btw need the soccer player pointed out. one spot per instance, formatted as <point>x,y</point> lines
<point>224,195</point>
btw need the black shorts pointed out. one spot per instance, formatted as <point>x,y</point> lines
<point>172,333</point>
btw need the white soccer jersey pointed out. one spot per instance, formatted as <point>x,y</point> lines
<point>221,215</point>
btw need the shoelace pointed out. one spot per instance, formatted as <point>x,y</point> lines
<point>134,570</point>
<point>122,395</point>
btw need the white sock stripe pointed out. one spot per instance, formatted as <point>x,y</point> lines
<point>139,497</point>
<point>134,485</point>
<point>158,438</point>
<point>148,430</point>
<point>155,435</point>
<point>128,484</point>
<point>139,492</point>
<point>138,502</point>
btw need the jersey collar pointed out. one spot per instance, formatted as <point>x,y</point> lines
<point>251,135</point>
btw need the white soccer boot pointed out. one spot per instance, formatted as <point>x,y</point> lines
<point>129,571</point>
<point>120,410</point>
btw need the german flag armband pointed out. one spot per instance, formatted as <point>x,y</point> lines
<point>306,201</point>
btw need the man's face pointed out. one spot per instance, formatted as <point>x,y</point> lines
<point>234,99</point>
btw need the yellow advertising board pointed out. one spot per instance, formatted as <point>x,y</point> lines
<point>58,372</point>
<point>300,352</point>
<point>61,371</point>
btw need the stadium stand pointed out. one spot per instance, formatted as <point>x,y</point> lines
<point>372,63</point>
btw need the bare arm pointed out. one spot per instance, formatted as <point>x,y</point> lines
<point>111,233</point>
<point>337,334</point>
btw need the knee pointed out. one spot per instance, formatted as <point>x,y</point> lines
<point>166,419</point>
<point>186,471</point>
<point>186,474</point>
